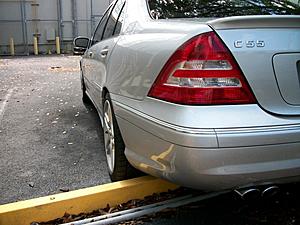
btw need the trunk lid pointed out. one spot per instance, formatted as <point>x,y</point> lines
<point>287,72</point>
<point>267,48</point>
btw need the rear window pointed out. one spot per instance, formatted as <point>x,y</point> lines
<point>168,9</point>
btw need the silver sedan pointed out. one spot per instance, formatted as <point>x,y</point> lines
<point>205,94</point>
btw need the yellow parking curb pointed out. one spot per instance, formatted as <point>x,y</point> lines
<point>84,200</point>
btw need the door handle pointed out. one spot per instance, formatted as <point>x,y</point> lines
<point>91,54</point>
<point>104,52</point>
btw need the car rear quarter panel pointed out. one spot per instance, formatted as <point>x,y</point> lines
<point>144,47</point>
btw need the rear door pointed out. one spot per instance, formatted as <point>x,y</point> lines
<point>100,52</point>
<point>88,58</point>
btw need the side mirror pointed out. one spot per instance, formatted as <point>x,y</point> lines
<point>80,45</point>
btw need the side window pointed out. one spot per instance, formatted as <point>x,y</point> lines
<point>113,19</point>
<point>99,31</point>
<point>120,21</point>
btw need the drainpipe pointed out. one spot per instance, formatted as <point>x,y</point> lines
<point>34,6</point>
<point>60,22</point>
<point>24,26</point>
<point>92,19</point>
<point>74,19</point>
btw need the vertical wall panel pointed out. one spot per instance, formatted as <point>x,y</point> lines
<point>10,26</point>
<point>80,19</point>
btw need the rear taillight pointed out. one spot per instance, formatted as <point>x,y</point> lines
<point>202,72</point>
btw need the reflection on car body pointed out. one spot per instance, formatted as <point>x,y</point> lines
<point>203,93</point>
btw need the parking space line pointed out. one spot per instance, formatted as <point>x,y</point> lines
<point>5,101</point>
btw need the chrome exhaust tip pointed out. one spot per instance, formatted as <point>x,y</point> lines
<point>249,194</point>
<point>270,192</point>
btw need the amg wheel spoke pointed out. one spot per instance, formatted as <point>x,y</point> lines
<point>109,138</point>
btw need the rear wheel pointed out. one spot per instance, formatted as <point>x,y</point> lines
<point>118,166</point>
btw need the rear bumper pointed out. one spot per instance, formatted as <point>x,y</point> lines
<point>210,159</point>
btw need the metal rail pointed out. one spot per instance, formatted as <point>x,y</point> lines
<point>130,214</point>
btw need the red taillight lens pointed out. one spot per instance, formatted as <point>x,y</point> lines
<point>202,72</point>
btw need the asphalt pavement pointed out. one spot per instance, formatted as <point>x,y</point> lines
<point>50,142</point>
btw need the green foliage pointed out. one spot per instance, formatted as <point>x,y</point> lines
<point>164,9</point>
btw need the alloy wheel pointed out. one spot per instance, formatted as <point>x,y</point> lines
<point>109,136</point>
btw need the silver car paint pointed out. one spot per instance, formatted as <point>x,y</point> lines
<point>289,88</point>
<point>150,52</point>
<point>209,137</point>
<point>97,68</point>
<point>246,22</point>
<point>207,117</point>
<point>171,153</point>
<point>206,147</point>
<point>258,66</point>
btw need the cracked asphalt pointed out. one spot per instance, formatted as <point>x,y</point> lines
<point>49,140</point>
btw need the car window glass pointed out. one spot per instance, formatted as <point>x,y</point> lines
<point>111,23</point>
<point>120,21</point>
<point>215,8</point>
<point>99,31</point>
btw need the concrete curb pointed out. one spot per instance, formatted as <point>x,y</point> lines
<point>84,200</point>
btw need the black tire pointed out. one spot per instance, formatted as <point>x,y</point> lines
<point>122,169</point>
<point>85,97</point>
